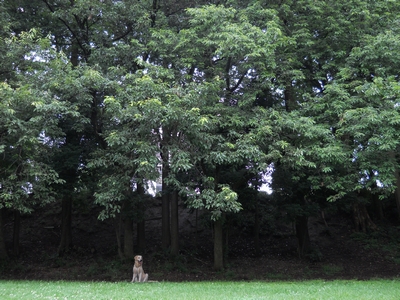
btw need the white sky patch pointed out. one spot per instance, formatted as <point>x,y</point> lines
<point>265,187</point>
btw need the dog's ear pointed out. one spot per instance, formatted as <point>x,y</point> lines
<point>135,258</point>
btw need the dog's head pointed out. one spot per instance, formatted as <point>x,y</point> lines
<point>138,259</point>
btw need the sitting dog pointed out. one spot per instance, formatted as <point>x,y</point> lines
<point>138,274</point>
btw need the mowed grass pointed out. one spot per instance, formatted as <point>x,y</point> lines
<point>375,289</point>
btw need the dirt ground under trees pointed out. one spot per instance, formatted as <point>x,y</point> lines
<point>339,252</point>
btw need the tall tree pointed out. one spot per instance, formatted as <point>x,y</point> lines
<point>365,115</point>
<point>93,34</point>
<point>235,53</point>
<point>319,37</point>
<point>26,175</point>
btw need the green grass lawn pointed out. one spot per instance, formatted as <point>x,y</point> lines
<point>376,289</point>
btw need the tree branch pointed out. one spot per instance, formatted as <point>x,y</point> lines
<point>75,36</point>
<point>238,83</point>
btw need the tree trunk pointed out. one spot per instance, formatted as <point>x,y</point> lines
<point>128,238</point>
<point>362,220</point>
<point>141,237</point>
<point>66,225</point>
<point>196,235</point>
<point>378,207</point>
<point>74,53</point>
<point>323,218</point>
<point>226,240</point>
<point>3,250</point>
<point>257,231</point>
<point>303,236</point>
<point>289,99</point>
<point>393,155</point>
<point>174,224</point>
<point>218,245</point>
<point>397,192</point>
<point>126,213</point>
<point>165,207</point>
<point>17,229</point>
<point>118,229</point>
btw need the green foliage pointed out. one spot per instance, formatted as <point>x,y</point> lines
<point>386,238</point>
<point>218,202</point>
<point>26,175</point>
<point>208,93</point>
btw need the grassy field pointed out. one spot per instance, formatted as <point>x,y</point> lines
<point>377,289</point>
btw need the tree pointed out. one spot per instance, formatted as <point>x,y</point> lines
<point>26,174</point>
<point>297,131</point>
<point>152,123</point>
<point>365,118</point>
<point>122,93</point>
<point>234,54</point>
<point>94,35</point>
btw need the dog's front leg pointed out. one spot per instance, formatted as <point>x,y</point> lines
<point>140,274</point>
<point>135,274</point>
